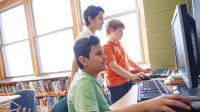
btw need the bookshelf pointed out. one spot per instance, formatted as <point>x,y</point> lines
<point>49,88</point>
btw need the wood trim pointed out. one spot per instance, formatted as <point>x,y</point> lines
<point>9,4</point>
<point>31,32</point>
<point>2,67</point>
<point>12,81</point>
<point>4,6</point>
<point>75,17</point>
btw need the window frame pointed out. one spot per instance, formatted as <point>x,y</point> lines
<point>77,27</point>
<point>8,4</point>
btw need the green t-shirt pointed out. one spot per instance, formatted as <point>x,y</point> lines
<point>85,95</point>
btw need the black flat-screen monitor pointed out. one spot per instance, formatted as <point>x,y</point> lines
<point>186,47</point>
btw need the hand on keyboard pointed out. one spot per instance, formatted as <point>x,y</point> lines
<point>147,70</point>
<point>165,102</point>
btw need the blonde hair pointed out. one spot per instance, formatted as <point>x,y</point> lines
<point>114,24</point>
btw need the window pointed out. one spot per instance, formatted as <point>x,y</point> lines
<point>53,24</point>
<point>51,34</point>
<point>15,46</point>
<point>128,15</point>
<point>37,36</point>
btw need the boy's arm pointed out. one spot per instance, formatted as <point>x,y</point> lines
<point>134,65</point>
<point>118,69</point>
<point>137,67</point>
<point>158,104</point>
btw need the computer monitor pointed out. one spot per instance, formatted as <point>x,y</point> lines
<point>186,47</point>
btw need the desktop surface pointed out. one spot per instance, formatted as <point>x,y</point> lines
<point>128,99</point>
<point>6,99</point>
<point>132,97</point>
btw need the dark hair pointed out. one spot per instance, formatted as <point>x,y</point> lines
<point>91,11</point>
<point>114,24</point>
<point>82,47</point>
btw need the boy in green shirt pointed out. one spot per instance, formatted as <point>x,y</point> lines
<point>86,94</point>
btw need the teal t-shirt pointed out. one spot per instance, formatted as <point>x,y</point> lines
<point>85,95</point>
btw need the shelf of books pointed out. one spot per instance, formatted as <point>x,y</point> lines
<point>49,89</point>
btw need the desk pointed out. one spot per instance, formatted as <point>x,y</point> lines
<point>6,99</point>
<point>131,98</point>
<point>128,99</point>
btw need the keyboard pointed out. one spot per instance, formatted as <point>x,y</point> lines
<point>151,88</point>
<point>160,73</point>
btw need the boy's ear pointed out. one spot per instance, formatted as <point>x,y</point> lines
<point>83,61</point>
<point>90,18</point>
<point>111,30</point>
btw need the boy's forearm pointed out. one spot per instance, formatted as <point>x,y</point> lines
<point>119,70</point>
<point>138,107</point>
<point>134,65</point>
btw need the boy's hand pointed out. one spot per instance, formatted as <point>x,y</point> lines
<point>146,70</point>
<point>164,102</point>
<point>137,77</point>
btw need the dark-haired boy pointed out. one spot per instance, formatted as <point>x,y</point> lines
<point>94,20</point>
<point>86,95</point>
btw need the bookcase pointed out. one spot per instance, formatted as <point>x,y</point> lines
<point>49,88</point>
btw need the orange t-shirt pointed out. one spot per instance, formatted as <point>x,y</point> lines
<point>115,52</point>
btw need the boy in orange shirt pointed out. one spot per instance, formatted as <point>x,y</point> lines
<point>118,78</point>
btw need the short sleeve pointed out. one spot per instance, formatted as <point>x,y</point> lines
<point>109,52</point>
<point>85,97</point>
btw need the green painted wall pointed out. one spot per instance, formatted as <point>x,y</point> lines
<point>157,28</point>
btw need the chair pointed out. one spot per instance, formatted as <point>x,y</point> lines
<point>27,101</point>
<point>60,106</point>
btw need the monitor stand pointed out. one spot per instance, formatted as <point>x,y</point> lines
<point>193,93</point>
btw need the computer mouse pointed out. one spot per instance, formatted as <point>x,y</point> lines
<point>146,77</point>
<point>178,109</point>
<point>194,107</point>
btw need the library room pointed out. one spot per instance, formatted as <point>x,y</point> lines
<point>99,55</point>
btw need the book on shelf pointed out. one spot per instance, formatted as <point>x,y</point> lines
<point>48,91</point>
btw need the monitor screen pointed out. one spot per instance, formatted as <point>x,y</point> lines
<point>186,46</point>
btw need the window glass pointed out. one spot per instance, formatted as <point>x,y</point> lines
<point>130,38</point>
<point>110,6</point>
<point>15,48</point>
<point>53,24</point>
<point>17,59</point>
<point>13,25</point>
<point>51,15</point>
<point>56,51</point>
